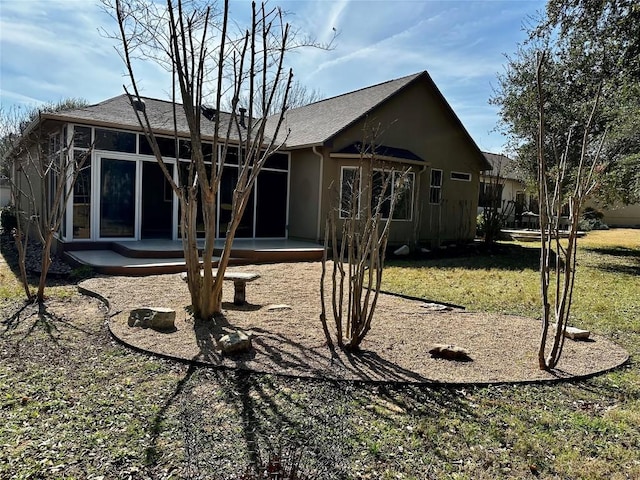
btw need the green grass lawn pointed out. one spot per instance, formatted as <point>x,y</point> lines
<point>74,404</point>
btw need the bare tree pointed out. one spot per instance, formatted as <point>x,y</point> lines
<point>365,209</point>
<point>559,185</point>
<point>44,170</point>
<point>298,96</point>
<point>208,63</point>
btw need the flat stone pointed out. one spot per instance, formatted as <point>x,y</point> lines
<point>278,307</point>
<point>450,352</point>
<point>576,333</point>
<point>157,318</point>
<point>236,342</point>
<point>436,307</point>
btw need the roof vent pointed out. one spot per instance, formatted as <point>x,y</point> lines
<point>138,104</point>
<point>242,112</point>
<point>209,113</point>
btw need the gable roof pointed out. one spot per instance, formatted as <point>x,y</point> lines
<point>317,123</point>
<point>501,165</point>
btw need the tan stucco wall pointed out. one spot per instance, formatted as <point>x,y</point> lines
<point>623,216</point>
<point>416,121</point>
<point>303,194</point>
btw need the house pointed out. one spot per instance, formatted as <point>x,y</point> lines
<point>121,194</point>
<point>521,205</point>
<point>515,200</point>
<point>619,215</point>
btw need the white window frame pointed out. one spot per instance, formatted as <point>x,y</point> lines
<point>435,187</point>
<point>342,170</point>
<point>457,179</point>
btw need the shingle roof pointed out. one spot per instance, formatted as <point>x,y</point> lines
<point>501,165</point>
<point>317,122</point>
<point>312,124</point>
<point>117,112</point>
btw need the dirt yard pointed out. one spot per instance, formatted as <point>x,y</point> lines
<point>290,341</point>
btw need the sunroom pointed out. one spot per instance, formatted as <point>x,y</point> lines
<point>122,194</point>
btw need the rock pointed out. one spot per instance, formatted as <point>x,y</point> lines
<point>277,307</point>
<point>436,307</point>
<point>576,334</point>
<point>236,342</point>
<point>450,352</point>
<point>425,250</point>
<point>157,318</point>
<point>403,250</point>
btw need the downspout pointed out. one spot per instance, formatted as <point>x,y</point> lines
<point>320,182</point>
<point>418,210</point>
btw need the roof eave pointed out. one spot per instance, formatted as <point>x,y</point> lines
<point>383,158</point>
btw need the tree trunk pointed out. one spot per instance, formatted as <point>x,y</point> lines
<point>44,266</point>
<point>22,254</point>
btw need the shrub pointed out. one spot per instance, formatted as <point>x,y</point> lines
<point>8,220</point>
<point>592,220</point>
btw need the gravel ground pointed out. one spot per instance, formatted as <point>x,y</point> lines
<point>291,342</point>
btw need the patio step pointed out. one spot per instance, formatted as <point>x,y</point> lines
<point>109,262</point>
<point>148,257</point>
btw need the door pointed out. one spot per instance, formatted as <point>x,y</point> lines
<point>157,202</point>
<point>117,198</point>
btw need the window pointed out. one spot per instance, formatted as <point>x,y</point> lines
<point>435,188</point>
<point>115,141</point>
<point>461,176</point>
<point>54,164</point>
<point>349,191</point>
<point>490,195</point>
<point>277,161</point>
<point>82,137</point>
<point>167,147</point>
<point>82,197</point>
<point>401,187</point>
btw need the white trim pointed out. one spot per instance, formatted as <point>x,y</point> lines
<point>96,194</point>
<point>466,174</point>
<point>342,169</point>
<point>439,187</point>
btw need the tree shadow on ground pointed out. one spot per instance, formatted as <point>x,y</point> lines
<point>152,452</point>
<point>617,260</point>
<point>33,317</point>
<point>329,425</point>
<point>508,257</point>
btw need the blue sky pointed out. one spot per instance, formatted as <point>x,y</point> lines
<point>54,49</point>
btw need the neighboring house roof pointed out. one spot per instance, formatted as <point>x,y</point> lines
<point>501,165</point>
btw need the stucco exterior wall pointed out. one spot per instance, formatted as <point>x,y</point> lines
<point>623,216</point>
<point>304,191</point>
<point>417,120</point>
